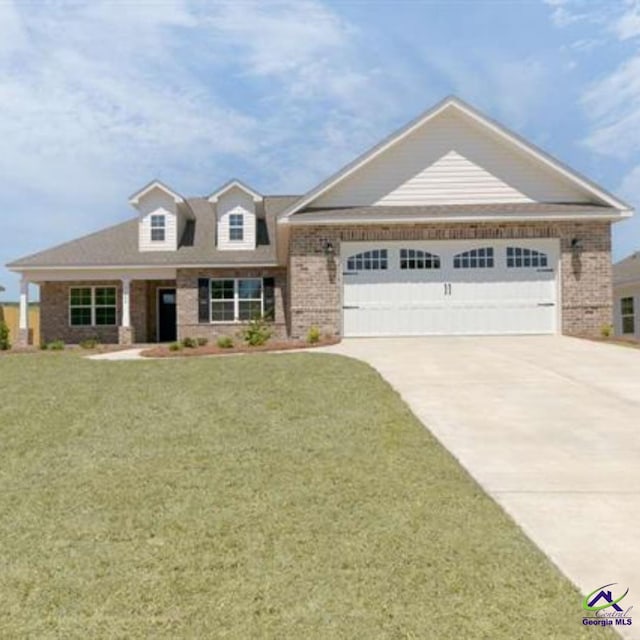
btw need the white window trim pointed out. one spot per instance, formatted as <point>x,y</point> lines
<point>163,226</point>
<point>240,226</point>
<point>236,300</point>
<point>93,306</point>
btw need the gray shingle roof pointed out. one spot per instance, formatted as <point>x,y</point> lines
<point>118,245</point>
<point>627,270</point>
<point>411,213</point>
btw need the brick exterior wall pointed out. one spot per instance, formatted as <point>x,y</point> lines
<point>187,298</point>
<point>54,313</point>
<point>315,282</point>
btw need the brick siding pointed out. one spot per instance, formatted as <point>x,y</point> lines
<point>315,282</point>
<point>187,298</point>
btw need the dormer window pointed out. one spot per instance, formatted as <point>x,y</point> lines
<point>158,228</point>
<point>236,226</point>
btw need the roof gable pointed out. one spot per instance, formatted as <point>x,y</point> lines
<point>135,198</point>
<point>453,154</point>
<point>627,270</point>
<point>234,184</point>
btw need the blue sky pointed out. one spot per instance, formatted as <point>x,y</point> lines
<point>97,98</point>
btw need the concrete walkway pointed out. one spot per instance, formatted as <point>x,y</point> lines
<point>549,426</point>
<point>125,354</point>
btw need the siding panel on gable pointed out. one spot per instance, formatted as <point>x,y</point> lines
<point>236,201</point>
<point>450,161</point>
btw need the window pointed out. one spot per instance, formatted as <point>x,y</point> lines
<point>158,227</point>
<point>474,259</point>
<point>369,260</point>
<point>236,226</point>
<point>416,259</point>
<point>236,300</point>
<point>628,315</point>
<point>92,306</point>
<point>521,257</point>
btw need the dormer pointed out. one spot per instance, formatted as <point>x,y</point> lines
<point>160,222</point>
<point>236,206</point>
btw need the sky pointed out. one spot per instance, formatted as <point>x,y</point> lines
<point>98,98</point>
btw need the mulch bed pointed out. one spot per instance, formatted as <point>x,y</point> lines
<point>162,351</point>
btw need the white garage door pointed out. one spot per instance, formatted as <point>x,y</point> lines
<point>450,287</point>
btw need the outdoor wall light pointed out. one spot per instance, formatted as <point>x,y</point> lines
<point>576,244</point>
<point>329,249</point>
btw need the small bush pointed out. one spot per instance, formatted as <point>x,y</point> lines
<point>175,346</point>
<point>90,343</point>
<point>189,343</point>
<point>202,342</point>
<point>606,330</point>
<point>5,344</point>
<point>256,333</point>
<point>55,345</point>
<point>225,342</point>
<point>313,335</point>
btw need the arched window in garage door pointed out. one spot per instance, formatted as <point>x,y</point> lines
<point>373,260</point>
<point>523,257</point>
<point>474,259</point>
<point>417,259</point>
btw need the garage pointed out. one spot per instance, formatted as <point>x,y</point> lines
<point>478,287</point>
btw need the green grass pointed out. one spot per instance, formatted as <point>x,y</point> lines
<point>267,496</point>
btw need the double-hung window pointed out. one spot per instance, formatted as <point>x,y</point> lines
<point>237,299</point>
<point>158,227</point>
<point>92,306</point>
<point>627,313</point>
<point>236,226</point>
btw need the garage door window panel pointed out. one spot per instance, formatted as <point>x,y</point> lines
<point>374,260</point>
<point>417,259</point>
<point>521,257</point>
<point>474,259</point>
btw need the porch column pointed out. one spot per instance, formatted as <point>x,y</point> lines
<point>23,326</point>
<point>125,331</point>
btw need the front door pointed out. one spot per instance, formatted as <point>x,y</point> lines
<point>166,315</point>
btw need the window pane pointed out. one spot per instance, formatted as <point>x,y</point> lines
<point>105,315</point>
<point>80,316</point>
<point>222,311</point>
<point>249,309</point>
<point>222,289</point>
<point>249,289</point>
<point>626,306</point>
<point>235,219</point>
<point>157,235</point>
<point>236,233</point>
<point>105,296</point>
<point>628,324</point>
<point>80,296</point>
<point>157,221</point>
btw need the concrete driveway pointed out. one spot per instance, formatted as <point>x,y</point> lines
<point>549,426</point>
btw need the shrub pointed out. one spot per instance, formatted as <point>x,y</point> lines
<point>90,343</point>
<point>202,342</point>
<point>175,346</point>
<point>189,343</point>
<point>55,345</point>
<point>313,335</point>
<point>606,330</point>
<point>225,342</point>
<point>4,337</point>
<point>256,333</point>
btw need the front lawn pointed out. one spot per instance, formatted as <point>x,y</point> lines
<point>266,496</point>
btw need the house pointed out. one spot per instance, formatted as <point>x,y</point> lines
<point>451,225</point>
<point>626,296</point>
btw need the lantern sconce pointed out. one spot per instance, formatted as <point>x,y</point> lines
<point>576,245</point>
<point>329,249</point>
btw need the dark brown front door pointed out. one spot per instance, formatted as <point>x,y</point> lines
<point>166,315</point>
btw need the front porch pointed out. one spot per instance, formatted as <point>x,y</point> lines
<point>123,311</point>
